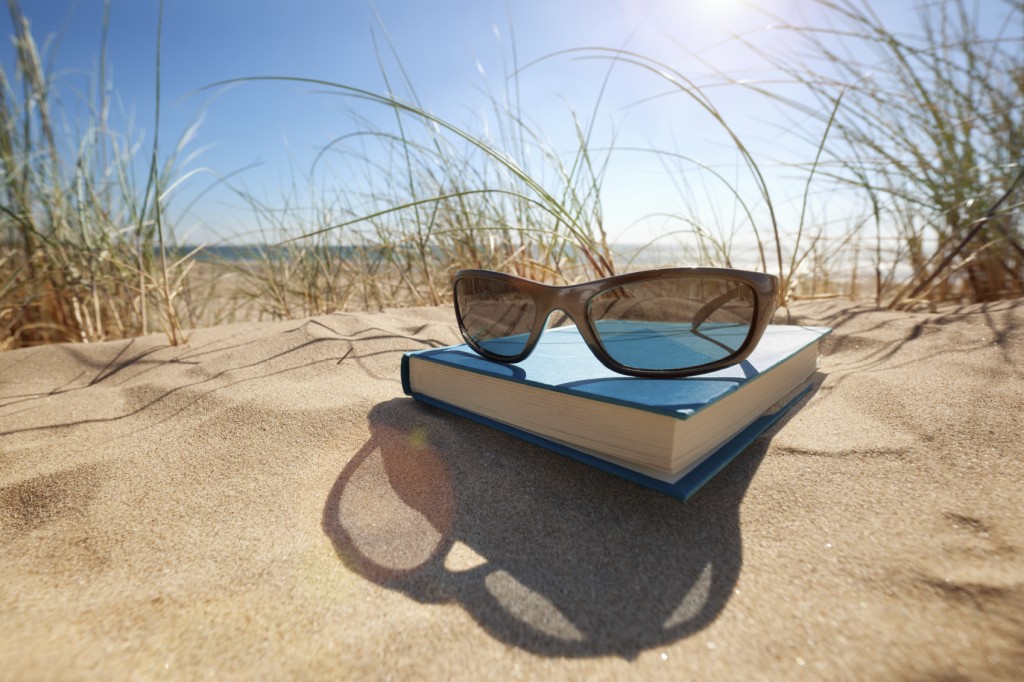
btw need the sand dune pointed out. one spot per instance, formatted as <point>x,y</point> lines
<point>264,502</point>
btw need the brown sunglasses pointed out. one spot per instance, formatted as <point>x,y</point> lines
<point>666,323</point>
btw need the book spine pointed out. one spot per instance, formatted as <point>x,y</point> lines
<point>405,374</point>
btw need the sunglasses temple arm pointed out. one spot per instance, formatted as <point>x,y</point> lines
<point>705,311</point>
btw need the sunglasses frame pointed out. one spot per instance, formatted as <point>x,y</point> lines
<point>574,301</point>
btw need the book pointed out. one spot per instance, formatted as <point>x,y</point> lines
<point>672,435</point>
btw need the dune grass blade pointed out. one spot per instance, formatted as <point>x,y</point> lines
<point>561,215</point>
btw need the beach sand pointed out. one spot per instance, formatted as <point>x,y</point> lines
<point>264,502</point>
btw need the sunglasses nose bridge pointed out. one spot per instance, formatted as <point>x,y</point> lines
<point>568,301</point>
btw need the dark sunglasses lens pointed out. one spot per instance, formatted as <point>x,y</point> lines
<point>496,316</point>
<point>673,323</point>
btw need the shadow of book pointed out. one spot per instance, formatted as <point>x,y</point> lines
<point>544,553</point>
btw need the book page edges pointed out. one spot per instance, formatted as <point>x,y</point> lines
<point>655,444</point>
<point>736,411</point>
<point>590,425</point>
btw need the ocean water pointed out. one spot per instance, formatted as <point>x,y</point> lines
<point>236,253</point>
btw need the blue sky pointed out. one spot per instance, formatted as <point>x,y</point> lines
<point>453,51</point>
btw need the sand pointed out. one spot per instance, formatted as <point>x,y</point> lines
<point>263,502</point>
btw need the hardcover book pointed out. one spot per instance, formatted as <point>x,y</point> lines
<point>671,435</point>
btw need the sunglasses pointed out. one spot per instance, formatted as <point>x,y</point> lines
<point>667,323</point>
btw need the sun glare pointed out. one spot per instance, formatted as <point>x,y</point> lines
<point>700,24</point>
<point>718,9</point>
<point>719,14</point>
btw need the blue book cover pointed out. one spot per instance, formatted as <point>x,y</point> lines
<point>778,368</point>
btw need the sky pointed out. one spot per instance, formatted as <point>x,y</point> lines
<point>455,53</point>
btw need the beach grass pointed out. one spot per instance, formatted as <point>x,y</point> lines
<point>83,241</point>
<point>930,145</point>
<point>930,133</point>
